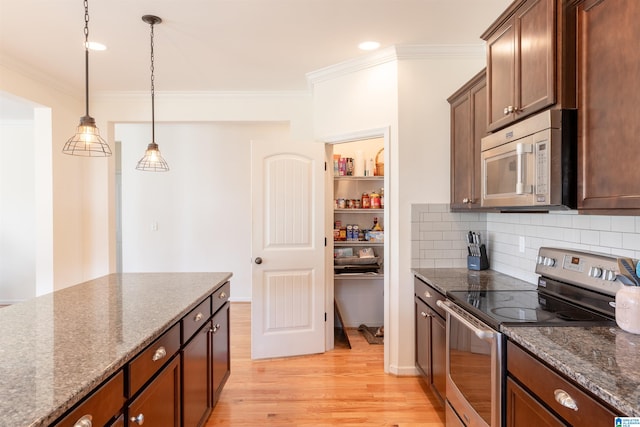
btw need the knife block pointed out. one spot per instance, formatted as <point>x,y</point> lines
<point>478,262</point>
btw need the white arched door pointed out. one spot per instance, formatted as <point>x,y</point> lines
<point>288,291</point>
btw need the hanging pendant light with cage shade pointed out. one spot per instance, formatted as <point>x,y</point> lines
<point>152,160</point>
<point>87,140</point>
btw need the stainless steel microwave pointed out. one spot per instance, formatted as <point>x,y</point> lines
<point>532,165</point>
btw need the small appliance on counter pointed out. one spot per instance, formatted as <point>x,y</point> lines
<point>477,258</point>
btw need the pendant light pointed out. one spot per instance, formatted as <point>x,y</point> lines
<point>87,141</point>
<point>152,160</point>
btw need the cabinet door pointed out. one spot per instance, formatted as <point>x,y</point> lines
<point>535,53</point>
<point>525,411</point>
<point>521,64</point>
<point>159,402</point>
<point>196,381</point>
<point>468,127</point>
<point>439,355</point>
<point>501,74</point>
<point>608,90</point>
<point>423,338</point>
<point>221,355</point>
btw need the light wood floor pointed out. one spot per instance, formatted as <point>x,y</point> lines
<point>341,387</point>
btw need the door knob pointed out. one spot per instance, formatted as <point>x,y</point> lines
<point>258,260</point>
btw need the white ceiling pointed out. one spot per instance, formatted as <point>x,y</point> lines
<point>223,45</point>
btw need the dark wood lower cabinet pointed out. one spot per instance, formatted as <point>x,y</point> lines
<point>524,410</point>
<point>539,396</point>
<point>158,404</point>
<point>221,356</point>
<point>195,379</point>
<point>430,339</point>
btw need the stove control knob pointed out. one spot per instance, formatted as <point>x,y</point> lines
<point>609,275</point>
<point>595,272</point>
<point>540,260</point>
<point>549,262</point>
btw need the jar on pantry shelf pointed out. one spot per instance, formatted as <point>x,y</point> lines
<point>375,201</point>
<point>366,201</point>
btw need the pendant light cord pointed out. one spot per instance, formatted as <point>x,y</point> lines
<point>153,109</point>
<point>86,55</point>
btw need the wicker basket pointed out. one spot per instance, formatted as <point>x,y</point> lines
<point>379,163</point>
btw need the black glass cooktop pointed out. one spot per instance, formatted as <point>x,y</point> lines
<point>525,307</point>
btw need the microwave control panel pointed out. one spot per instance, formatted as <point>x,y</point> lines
<point>542,171</point>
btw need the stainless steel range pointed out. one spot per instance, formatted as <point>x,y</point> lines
<point>574,288</point>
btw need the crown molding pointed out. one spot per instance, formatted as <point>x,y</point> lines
<point>203,94</point>
<point>395,53</point>
<point>38,75</point>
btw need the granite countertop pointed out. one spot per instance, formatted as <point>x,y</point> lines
<point>56,348</point>
<point>603,360</point>
<point>461,279</point>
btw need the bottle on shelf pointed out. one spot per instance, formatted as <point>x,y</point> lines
<point>365,201</point>
<point>376,225</point>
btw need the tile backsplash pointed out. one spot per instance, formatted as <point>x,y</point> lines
<point>513,239</point>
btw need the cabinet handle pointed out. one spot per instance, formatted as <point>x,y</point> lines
<point>509,110</point>
<point>198,317</point>
<point>138,420</point>
<point>222,295</point>
<point>159,354</point>
<point>84,421</point>
<point>423,314</point>
<point>216,327</point>
<point>465,200</point>
<point>427,294</point>
<point>565,399</point>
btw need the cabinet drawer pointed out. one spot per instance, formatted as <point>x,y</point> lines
<point>195,319</point>
<point>545,383</point>
<point>147,363</point>
<point>101,406</point>
<point>220,297</point>
<point>429,295</point>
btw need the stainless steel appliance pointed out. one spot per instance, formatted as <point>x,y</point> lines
<point>532,164</point>
<point>574,288</point>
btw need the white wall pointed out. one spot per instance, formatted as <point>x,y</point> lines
<point>72,202</point>
<point>408,95</point>
<point>17,211</point>
<point>201,207</point>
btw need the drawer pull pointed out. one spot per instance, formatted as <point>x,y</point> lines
<point>198,317</point>
<point>84,421</point>
<point>160,353</point>
<point>427,294</point>
<point>138,420</point>
<point>423,314</point>
<point>565,399</point>
<point>222,295</point>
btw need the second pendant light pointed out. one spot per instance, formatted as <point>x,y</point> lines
<point>152,160</point>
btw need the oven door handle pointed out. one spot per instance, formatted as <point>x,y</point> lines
<point>483,334</point>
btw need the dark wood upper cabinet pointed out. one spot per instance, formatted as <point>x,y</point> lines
<point>608,61</point>
<point>529,61</point>
<point>468,127</point>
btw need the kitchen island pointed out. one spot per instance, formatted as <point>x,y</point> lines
<point>601,359</point>
<point>57,348</point>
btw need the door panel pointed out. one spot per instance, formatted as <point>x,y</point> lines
<point>287,311</point>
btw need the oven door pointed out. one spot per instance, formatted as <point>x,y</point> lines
<point>517,173</point>
<point>474,369</point>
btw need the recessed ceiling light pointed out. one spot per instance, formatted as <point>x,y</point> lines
<point>369,45</point>
<point>96,46</point>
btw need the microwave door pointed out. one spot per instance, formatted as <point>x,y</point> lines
<point>507,172</point>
